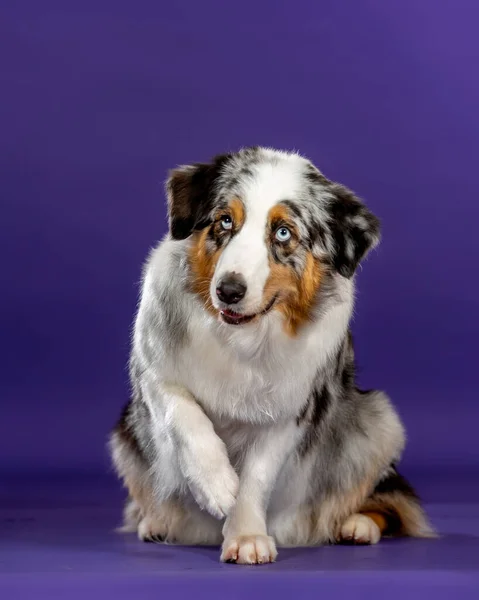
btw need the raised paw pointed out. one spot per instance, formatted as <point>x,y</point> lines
<point>214,485</point>
<point>249,550</point>
<point>360,529</point>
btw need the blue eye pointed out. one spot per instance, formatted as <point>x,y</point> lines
<point>283,234</point>
<point>226,222</point>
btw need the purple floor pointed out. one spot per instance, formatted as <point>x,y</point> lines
<point>57,541</point>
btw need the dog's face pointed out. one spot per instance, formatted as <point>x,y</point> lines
<point>266,229</point>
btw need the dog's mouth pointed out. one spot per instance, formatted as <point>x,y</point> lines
<point>233,318</point>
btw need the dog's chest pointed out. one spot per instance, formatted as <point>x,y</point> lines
<point>258,389</point>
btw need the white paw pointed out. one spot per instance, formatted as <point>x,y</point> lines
<point>360,529</point>
<point>249,550</point>
<point>152,530</point>
<point>212,481</point>
<point>164,524</point>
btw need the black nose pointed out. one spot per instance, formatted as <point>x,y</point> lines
<point>231,289</point>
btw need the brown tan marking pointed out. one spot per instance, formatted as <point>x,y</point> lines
<point>203,258</point>
<point>202,267</point>
<point>378,518</point>
<point>296,293</point>
<point>237,212</point>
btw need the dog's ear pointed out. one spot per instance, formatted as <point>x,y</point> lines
<point>190,193</point>
<point>355,230</point>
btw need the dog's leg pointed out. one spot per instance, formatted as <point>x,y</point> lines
<point>246,539</point>
<point>134,471</point>
<point>202,455</point>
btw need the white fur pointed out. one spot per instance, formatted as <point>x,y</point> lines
<point>361,529</point>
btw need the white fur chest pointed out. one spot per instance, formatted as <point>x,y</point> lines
<point>253,374</point>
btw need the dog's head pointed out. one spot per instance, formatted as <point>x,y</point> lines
<point>266,228</point>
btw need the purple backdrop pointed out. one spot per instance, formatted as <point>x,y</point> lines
<point>99,98</point>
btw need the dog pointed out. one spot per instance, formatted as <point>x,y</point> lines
<point>245,427</point>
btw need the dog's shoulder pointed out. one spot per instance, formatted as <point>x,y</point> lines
<point>165,306</point>
<point>166,267</point>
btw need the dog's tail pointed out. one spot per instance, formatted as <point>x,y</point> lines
<point>396,508</point>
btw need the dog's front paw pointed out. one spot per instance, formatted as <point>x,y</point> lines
<point>249,550</point>
<point>213,483</point>
<point>360,529</point>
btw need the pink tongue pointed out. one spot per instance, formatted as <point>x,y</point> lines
<point>231,314</point>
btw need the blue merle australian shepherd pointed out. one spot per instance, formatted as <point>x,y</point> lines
<point>245,427</point>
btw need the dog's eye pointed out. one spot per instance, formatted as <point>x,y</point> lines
<point>283,234</point>
<point>226,222</point>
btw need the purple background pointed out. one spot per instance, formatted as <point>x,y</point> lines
<point>100,98</point>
